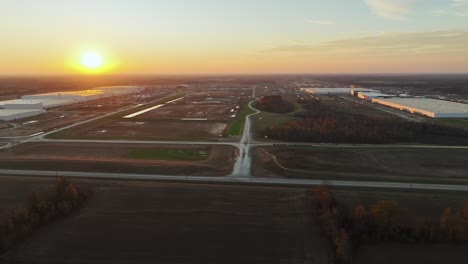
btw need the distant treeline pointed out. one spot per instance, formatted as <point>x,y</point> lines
<point>380,224</point>
<point>322,123</point>
<point>274,104</point>
<point>40,210</point>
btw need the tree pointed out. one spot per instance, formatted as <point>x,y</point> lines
<point>452,224</point>
<point>343,247</point>
<point>385,211</point>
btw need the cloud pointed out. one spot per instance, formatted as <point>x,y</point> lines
<point>320,22</point>
<point>385,44</point>
<point>456,7</point>
<point>391,9</point>
<point>456,3</point>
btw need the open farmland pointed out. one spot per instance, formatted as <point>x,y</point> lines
<point>144,222</point>
<point>15,190</point>
<point>121,158</point>
<point>184,110</point>
<point>156,130</point>
<point>209,105</point>
<point>372,163</point>
<point>403,253</point>
<point>351,105</point>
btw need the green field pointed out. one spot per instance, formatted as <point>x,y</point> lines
<point>265,120</point>
<point>171,154</point>
<point>459,123</point>
<point>237,126</point>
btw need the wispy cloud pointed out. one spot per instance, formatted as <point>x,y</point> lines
<point>385,44</point>
<point>391,9</point>
<point>456,7</point>
<point>321,21</point>
<point>456,3</point>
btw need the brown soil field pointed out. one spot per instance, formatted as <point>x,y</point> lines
<point>113,158</point>
<point>375,164</point>
<point>15,190</point>
<point>143,222</point>
<point>154,130</point>
<point>114,103</point>
<point>351,105</point>
<point>190,110</point>
<point>44,122</point>
<point>411,254</point>
<point>217,93</point>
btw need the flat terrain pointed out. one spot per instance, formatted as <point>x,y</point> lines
<point>61,116</point>
<point>351,105</point>
<point>459,123</point>
<point>374,164</point>
<point>200,116</point>
<point>156,130</point>
<point>123,158</point>
<point>15,190</point>
<point>265,120</point>
<point>411,254</point>
<point>142,222</point>
<point>42,123</point>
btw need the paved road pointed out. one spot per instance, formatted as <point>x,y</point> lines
<point>244,161</point>
<point>252,144</point>
<point>237,180</point>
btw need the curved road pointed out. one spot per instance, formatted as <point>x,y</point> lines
<point>244,161</point>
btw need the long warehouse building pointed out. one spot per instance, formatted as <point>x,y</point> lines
<point>31,105</point>
<point>427,107</point>
<point>336,91</point>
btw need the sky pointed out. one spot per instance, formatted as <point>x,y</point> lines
<point>235,36</point>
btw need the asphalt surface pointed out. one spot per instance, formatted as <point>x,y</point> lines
<point>236,180</point>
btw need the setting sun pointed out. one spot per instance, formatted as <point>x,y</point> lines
<point>92,60</point>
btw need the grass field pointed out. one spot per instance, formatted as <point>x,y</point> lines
<point>163,159</point>
<point>237,126</point>
<point>170,154</point>
<point>265,120</point>
<point>459,123</point>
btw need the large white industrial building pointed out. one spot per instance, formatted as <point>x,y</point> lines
<point>335,91</point>
<point>13,114</point>
<point>31,105</point>
<point>428,107</point>
<point>373,95</point>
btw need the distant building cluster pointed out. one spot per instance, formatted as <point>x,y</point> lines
<point>433,108</point>
<point>32,105</point>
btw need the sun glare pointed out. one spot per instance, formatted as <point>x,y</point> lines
<point>92,60</point>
